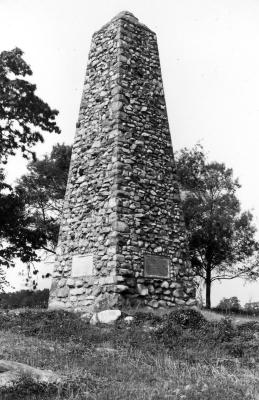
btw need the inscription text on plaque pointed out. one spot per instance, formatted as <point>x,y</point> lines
<point>156,266</point>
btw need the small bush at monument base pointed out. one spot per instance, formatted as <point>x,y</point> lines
<point>175,356</point>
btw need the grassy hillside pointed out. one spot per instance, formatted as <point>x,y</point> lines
<point>173,357</point>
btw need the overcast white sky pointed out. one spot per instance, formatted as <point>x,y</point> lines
<point>209,53</point>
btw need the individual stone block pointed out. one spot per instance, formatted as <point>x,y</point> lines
<point>61,283</point>
<point>121,288</point>
<point>56,305</point>
<point>142,290</point>
<point>77,291</point>
<point>71,283</point>
<point>63,292</point>
<point>120,226</point>
<point>79,283</point>
<point>179,302</point>
<point>165,285</point>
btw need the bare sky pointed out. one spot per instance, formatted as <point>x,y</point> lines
<point>210,64</point>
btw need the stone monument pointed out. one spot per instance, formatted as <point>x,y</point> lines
<point>122,237</point>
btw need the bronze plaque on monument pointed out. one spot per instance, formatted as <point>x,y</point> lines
<point>156,266</point>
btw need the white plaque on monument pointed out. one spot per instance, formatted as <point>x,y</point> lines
<point>82,265</point>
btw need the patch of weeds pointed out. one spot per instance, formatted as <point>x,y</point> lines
<point>248,350</point>
<point>141,318</point>
<point>134,337</point>
<point>54,325</point>
<point>250,327</point>
<point>224,330</point>
<point>214,391</point>
<point>185,318</point>
<point>50,324</point>
<point>180,327</point>
<point>27,389</point>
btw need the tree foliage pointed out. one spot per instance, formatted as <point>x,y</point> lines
<point>229,304</point>
<point>42,189</point>
<point>221,237</point>
<point>25,298</point>
<point>18,239</point>
<point>23,115</point>
<point>30,212</point>
<point>24,118</point>
<point>252,306</point>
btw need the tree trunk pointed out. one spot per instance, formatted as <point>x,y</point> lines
<point>208,286</point>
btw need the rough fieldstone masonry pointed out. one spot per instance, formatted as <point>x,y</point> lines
<point>122,238</point>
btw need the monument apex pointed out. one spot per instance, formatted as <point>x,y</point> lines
<point>122,237</point>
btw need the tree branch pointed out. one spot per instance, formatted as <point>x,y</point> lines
<point>49,250</point>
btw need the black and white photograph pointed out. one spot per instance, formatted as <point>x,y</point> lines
<point>129,200</point>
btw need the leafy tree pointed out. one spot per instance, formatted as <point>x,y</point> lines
<point>23,119</point>
<point>25,298</point>
<point>230,304</point>
<point>23,115</point>
<point>252,306</point>
<point>42,190</point>
<point>18,239</point>
<point>221,237</point>
<point>30,213</point>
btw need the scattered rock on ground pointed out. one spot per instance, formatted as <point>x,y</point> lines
<point>85,316</point>
<point>94,320</point>
<point>105,317</point>
<point>106,349</point>
<point>129,319</point>
<point>11,373</point>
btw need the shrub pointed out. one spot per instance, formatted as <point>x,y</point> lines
<point>249,327</point>
<point>180,327</point>
<point>237,347</point>
<point>224,330</point>
<point>186,318</point>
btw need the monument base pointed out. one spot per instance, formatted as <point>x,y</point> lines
<point>92,294</point>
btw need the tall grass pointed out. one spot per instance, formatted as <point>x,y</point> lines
<point>173,357</point>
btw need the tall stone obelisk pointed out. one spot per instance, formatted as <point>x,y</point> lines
<point>122,238</point>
